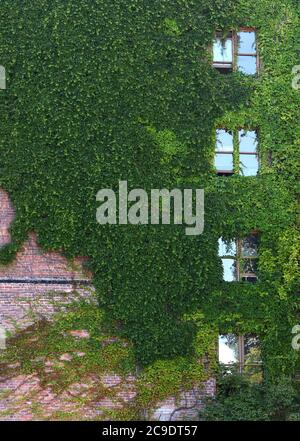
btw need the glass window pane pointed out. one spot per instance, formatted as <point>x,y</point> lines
<point>228,349</point>
<point>252,349</point>
<point>248,165</point>
<point>224,162</point>
<point>253,359</point>
<point>222,51</point>
<point>248,141</point>
<point>229,270</point>
<point>224,141</point>
<point>254,373</point>
<point>246,42</point>
<point>250,246</point>
<point>249,266</point>
<point>247,64</point>
<point>226,249</point>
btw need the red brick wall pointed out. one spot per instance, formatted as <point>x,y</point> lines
<point>27,400</point>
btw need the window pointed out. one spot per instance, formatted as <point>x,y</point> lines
<point>223,52</point>
<point>240,259</point>
<point>246,52</point>
<point>236,152</point>
<point>248,160</point>
<point>241,354</point>
<point>224,153</point>
<point>237,51</point>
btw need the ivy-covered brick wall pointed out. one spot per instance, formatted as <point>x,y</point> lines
<point>98,93</point>
<point>34,288</point>
<point>35,281</point>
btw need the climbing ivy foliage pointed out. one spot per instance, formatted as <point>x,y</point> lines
<point>101,91</point>
<point>51,352</point>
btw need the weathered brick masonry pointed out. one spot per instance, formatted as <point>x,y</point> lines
<point>37,280</point>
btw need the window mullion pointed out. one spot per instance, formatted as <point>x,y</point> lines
<point>236,152</point>
<point>238,254</point>
<point>241,353</point>
<point>234,51</point>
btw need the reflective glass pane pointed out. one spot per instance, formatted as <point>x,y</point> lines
<point>228,349</point>
<point>229,270</point>
<point>248,141</point>
<point>249,266</point>
<point>250,246</point>
<point>248,165</point>
<point>224,162</point>
<point>224,141</point>
<point>253,373</point>
<point>227,249</point>
<point>247,65</point>
<point>246,42</point>
<point>252,349</point>
<point>222,50</point>
<point>253,360</point>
